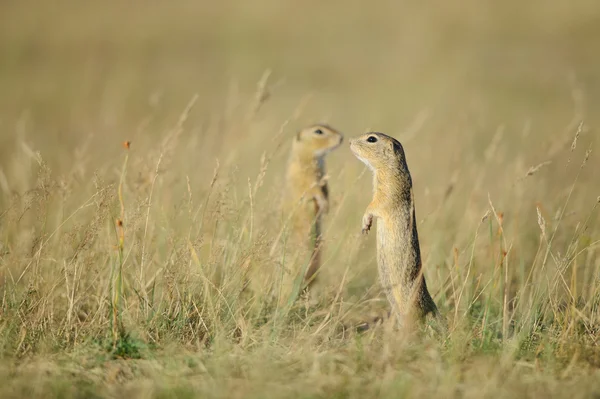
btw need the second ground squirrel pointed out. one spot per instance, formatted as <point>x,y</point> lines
<point>398,252</point>
<point>307,192</point>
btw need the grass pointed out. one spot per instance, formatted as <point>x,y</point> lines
<point>141,158</point>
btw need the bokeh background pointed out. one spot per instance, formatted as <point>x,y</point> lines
<point>74,68</point>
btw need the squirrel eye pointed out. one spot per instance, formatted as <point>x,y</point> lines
<point>318,131</point>
<point>372,139</point>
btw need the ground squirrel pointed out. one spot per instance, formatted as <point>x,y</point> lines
<point>398,252</point>
<point>307,191</point>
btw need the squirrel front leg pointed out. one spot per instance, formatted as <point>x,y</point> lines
<point>322,202</point>
<point>367,220</point>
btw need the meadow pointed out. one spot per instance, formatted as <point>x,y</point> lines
<point>142,149</point>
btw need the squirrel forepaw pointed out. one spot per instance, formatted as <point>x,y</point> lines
<point>367,222</point>
<point>322,205</point>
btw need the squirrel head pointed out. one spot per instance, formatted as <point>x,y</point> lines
<point>379,151</point>
<point>318,139</point>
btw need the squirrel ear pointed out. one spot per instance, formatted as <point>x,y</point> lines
<point>396,148</point>
<point>391,147</point>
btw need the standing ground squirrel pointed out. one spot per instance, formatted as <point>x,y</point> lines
<point>307,192</point>
<point>398,252</point>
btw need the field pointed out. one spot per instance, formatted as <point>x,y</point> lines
<point>142,148</point>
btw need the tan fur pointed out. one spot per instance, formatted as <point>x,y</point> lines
<point>398,252</point>
<point>307,191</point>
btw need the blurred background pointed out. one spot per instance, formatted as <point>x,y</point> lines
<point>73,68</point>
<point>486,96</point>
